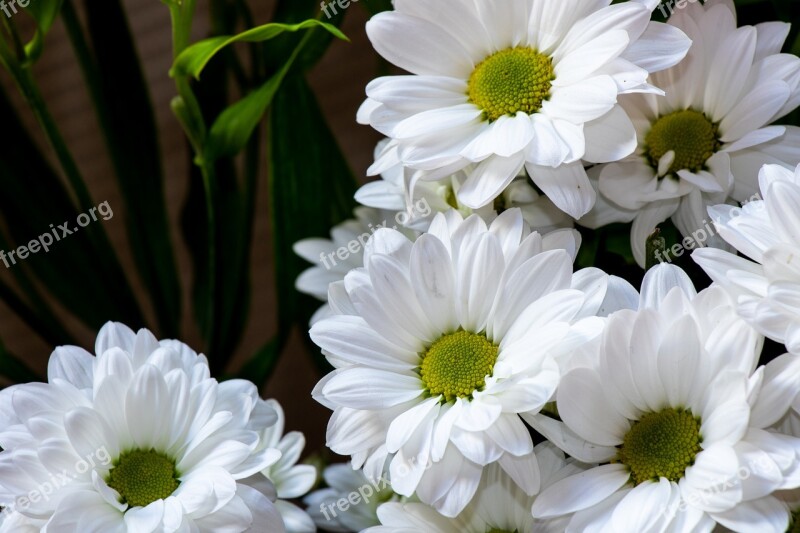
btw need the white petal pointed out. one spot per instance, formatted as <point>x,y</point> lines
<point>660,47</point>
<point>584,408</point>
<point>583,101</point>
<point>364,388</point>
<point>418,46</point>
<point>580,491</point>
<point>610,137</point>
<point>567,186</point>
<point>488,180</point>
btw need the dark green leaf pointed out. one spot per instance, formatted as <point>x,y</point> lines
<point>85,279</point>
<point>233,202</point>
<point>113,75</point>
<point>236,124</point>
<point>311,190</point>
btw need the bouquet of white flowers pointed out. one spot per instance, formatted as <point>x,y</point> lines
<point>569,301</point>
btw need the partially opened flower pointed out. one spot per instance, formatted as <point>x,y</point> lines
<point>681,417</point>
<point>136,439</point>
<point>290,479</point>
<point>439,344</point>
<point>333,507</point>
<point>514,84</point>
<point>333,258</point>
<point>499,505</point>
<point>431,197</point>
<point>703,143</point>
<point>766,231</point>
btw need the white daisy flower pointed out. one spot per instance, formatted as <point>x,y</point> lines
<point>333,258</point>
<point>289,479</point>
<point>440,343</point>
<point>703,142</point>
<point>391,193</point>
<point>679,413</point>
<point>512,84</point>
<point>499,505</point>
<point>766,231</point>
<point>137,439</point>
<point>333,508</point>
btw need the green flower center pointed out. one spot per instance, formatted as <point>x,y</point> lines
<point>689,133</point>
<point>512,80</point>
<point>501,531</point>
<point>142,477</point>
<point>457,364</point>
<point>662,444</point>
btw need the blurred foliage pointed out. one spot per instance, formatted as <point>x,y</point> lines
<point>252,110</point>
<point>222,117</point>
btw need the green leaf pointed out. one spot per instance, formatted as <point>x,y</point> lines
<point>41,320</point>
<point>311,190</point>
<point>76,270</point>
<point>113,74</point>
<point>44,12</point>
<point>233,202</point>
<point>193,60</point>
<point>232,129</point>
<point>292,11</point>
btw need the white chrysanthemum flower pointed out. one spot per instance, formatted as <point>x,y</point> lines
<point>677,409</point>
<point>507,85</point>
<point>439,344</point>
<point>289,479</point>
<point>766,231</point>
<point>703,142</point>
<point>499,505</point>
<point>332,508</point>
<point>431,197</point>
<point>335,257</point>
<point>137,439</point>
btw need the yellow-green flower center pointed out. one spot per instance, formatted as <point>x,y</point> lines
<point>662,444</point>
<point>501,531</point>
<point>142,477</point>
<point>689,133</point>
<point>457,364</point>
<point>511,80</point>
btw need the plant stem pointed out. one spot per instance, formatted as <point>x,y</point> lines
<point>195,128</point>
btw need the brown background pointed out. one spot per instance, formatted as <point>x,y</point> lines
<point>339,82</point>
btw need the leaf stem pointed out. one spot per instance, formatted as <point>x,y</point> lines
<point>191,118</point>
